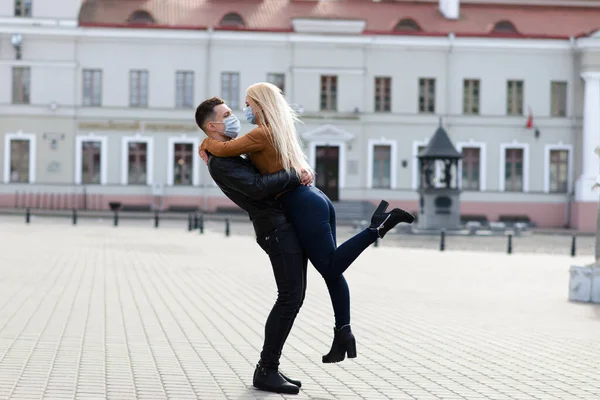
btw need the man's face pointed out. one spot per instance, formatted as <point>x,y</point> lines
<point>215,126</point>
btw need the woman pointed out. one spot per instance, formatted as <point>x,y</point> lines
<point>274,146</point>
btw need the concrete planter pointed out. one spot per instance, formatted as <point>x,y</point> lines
<point>584,284</point>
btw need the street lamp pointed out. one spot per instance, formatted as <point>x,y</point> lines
<point>16,41</point>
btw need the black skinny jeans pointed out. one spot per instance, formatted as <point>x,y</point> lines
<point>312,214</point>
<point>289,268</point>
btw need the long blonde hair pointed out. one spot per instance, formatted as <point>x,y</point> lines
<point>279,119</point>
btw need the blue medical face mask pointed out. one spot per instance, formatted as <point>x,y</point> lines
<point>249,116</point>
<point>232,126</point>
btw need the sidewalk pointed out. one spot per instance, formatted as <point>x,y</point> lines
<point>96,312</point>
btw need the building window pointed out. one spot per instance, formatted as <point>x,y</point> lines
<point>471,96</point>
<point>558,105</point>
<point>183,163</point>
<point>504,27</point>
<point>91,162</point>
<point>514,98</point>
<point>383,94</point>
<point>141,17</point>
<point>382,156</point>
<point>184,89</point>
<point>21,79</point>
<point>232,20</point>
<point>407,25</point>
<point>92,87</point>
<point>230,89</point>
<point>277,80</point>
<point>137,171</point>
<point>426,95</point>
<point>470,168</point>
<point>138,88</point>
<point>23,8</point>
<point>513,170</point>
<point>328,93</point>
<point>559,171</point>
<point>20,152</point>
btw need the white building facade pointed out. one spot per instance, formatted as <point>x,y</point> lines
<point>108,111</point>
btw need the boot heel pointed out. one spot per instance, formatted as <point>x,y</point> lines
<point>343,342</point>
<point>351,348</point>
<point>383,205</point>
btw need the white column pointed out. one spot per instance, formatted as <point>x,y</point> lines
<point>591,138</point>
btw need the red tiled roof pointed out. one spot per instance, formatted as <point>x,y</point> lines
<point>476,19</point>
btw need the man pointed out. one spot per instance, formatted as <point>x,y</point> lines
<point>254,193</point>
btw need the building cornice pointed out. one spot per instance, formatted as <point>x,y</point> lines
<point>328,26</point>
<point>588,43</point>
<point>397,41</point>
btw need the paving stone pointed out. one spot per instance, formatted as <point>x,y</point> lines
<point>93,312</point>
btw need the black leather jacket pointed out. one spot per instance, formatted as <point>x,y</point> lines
<point>251,191</point>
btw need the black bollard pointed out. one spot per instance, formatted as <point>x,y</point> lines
<point>74,217</point>
<point>509,250</point>
<point>116,219</point>
<point>156,219</point>
<point>195,221</point>
<point>442,240</point>
<point>227,223</point>
<point>27,216</point>
<point>201,223</point>
<point>190,222</point>
<point>573,246</point>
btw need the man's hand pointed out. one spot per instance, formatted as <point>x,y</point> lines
<point>306,177</point>
<point>203,155</point>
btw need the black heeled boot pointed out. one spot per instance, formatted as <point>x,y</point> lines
<point>270,380</point>
<point>383,222</point>
<point>290,380</point>
<point>343,343</point>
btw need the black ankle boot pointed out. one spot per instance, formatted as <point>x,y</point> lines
<point>290,380</point>
<point>383,222</point>
<point>269,380</point>
<point>343,342</point>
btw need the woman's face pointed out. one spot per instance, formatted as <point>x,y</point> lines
<point>251,103</point>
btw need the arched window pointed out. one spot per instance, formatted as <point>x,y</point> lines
<point>407,25</point>
<point>232,20</point>
<point>140,17</point>
<point>504,27</point>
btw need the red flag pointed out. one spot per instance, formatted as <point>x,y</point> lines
<point>529,123</point>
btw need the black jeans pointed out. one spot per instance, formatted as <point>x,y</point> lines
<point>289,268</point>
<point>313,216</point>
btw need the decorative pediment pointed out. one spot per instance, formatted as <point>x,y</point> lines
<point>326,133</point>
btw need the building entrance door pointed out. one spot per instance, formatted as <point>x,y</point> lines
<point>328,169</point>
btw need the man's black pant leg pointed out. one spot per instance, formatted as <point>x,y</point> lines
<point>287,260</point>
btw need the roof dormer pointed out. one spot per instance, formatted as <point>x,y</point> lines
<point>407,25</point>
<point>232,20</point>
<point>141,17</point>
<point>504,26</point>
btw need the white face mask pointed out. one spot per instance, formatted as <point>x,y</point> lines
<point>249,116</point>
<point>232,126</point>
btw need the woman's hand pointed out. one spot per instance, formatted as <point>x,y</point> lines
<point>203,155</point>
<point>306,177</point>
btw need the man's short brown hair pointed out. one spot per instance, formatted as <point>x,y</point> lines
<point>206,110</point>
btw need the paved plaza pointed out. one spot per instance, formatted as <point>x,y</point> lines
<point>97,312</point>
